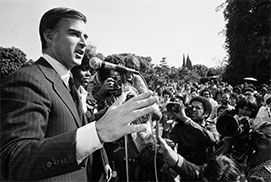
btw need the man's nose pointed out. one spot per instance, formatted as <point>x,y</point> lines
<point>83,41</point>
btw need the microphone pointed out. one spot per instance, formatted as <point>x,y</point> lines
<point>141,86</point>
<point>96,63</point>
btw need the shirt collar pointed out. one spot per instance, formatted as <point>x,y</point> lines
<point>63,72</point>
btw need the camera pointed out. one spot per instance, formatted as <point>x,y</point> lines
<point>239,129</point>
<point>174,107</point>
<point>117,89</point>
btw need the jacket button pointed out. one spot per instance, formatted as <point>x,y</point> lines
<point>56,162</point>
<point>63,160</point>
<point>49,164</point>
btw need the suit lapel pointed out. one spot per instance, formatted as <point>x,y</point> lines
<point>59,87</point>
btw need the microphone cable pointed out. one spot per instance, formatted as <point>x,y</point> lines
<point>154,140</point>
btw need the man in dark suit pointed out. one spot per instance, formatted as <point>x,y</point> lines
<point>42,137</point>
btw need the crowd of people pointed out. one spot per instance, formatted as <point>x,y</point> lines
<point>62,120</point>
<point>206,131</point>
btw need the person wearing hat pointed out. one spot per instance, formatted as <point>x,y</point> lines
<point>191,133</point>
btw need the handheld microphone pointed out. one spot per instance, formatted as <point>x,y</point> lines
<point>141,86</point>
<point>96,63</point>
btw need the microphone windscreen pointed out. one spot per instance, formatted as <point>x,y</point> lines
<point>139,84</point>
<point>95,63</point>
<point>141,87</point>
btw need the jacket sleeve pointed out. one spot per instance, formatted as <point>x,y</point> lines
<point>26,152</point>
<point>187,170</point>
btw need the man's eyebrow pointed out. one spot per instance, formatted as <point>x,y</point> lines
<point>78,32</point>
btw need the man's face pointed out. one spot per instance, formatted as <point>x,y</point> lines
<point>197,111</point>
<point>233,101</point>
<point>206,94</point>
<point>68,42</point>
<point>225,99</point>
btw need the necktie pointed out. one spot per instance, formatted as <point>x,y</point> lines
<point>76,98</point>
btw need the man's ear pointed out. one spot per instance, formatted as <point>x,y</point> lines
<point>48,35</point>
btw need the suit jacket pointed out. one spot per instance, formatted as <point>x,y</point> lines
<point>38,127</point>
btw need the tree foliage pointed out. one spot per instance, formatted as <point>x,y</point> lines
<point>11,59</point>
<point>247,40</point>
<point>200,69</point>
<point>188,63</point>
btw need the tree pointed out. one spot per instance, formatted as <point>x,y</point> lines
<point>163,62</point>
<point>183,61</point>
<point>11,59</point>
<point>200,69</point>
<point>247,40</point>
<point>188,63</point>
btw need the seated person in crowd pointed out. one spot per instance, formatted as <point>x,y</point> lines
<point>191,133</point>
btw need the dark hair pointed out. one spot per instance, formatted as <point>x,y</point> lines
<point>248,89</point>
<point>205,90</point>
<point>51,18</point>
<point>165,92</point>
<point>205,102</point>
<point>234,95</point>
<point>220,108</point>
<point>237,90</point>
<point>221,168</point>
<point>250,103</point>
<point>105,73</point>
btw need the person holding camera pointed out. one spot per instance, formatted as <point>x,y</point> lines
<point>42,133</point>
<point>191,133</point>
<point>105,85</point>
<point>218,168</point>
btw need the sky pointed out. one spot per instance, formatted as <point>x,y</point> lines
<point>155,28</point>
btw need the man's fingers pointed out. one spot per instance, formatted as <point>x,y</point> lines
<point>161,140</point>
<point>142,96</point>
<point>140,101</point>
<point>120,100</point>
<point>135,114</point>
<point>135,128</point>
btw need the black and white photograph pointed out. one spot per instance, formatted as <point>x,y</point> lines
<point>135,90</point>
